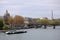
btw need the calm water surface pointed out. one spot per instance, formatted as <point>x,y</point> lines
<point>34,34</point>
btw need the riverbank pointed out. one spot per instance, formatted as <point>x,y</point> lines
<point>3,31</point>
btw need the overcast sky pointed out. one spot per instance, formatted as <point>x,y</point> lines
<point>31,8</point>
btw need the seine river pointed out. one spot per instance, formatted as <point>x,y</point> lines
<point>34,34</point>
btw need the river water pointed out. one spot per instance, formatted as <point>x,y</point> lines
<point>34,34</point>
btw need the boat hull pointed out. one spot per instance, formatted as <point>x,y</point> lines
<point>17,32</point>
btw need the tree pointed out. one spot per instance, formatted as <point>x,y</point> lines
<point>18,19</point>
<point>5,27</point>
<point>54,23</point>
<point>10,20</point>
<point>1,23</point>
<point>44,22</point>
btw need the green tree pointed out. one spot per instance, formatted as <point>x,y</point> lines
<point>1,22</point>
<point>5,27</point>
<point>54,23</point>
<point>44,22</point>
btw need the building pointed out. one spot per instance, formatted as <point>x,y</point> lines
<point>5,17</point>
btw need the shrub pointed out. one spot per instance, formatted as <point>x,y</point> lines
<point>5,27</point>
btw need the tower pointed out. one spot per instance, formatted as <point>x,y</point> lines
<point>6,17</point>
<point>7,14</point>
<point>52,14</point>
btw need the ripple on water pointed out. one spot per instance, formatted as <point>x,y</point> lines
<point>34,34</point>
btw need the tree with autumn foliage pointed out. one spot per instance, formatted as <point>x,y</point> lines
<point>44,22</point>
<point>18,19</point>
<point>10,20</point>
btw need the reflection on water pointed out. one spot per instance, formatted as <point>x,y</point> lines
<point>34,34</point>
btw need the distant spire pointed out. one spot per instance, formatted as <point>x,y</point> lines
<point>52,14</point>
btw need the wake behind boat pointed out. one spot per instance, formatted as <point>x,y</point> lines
<point>15,32</point>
